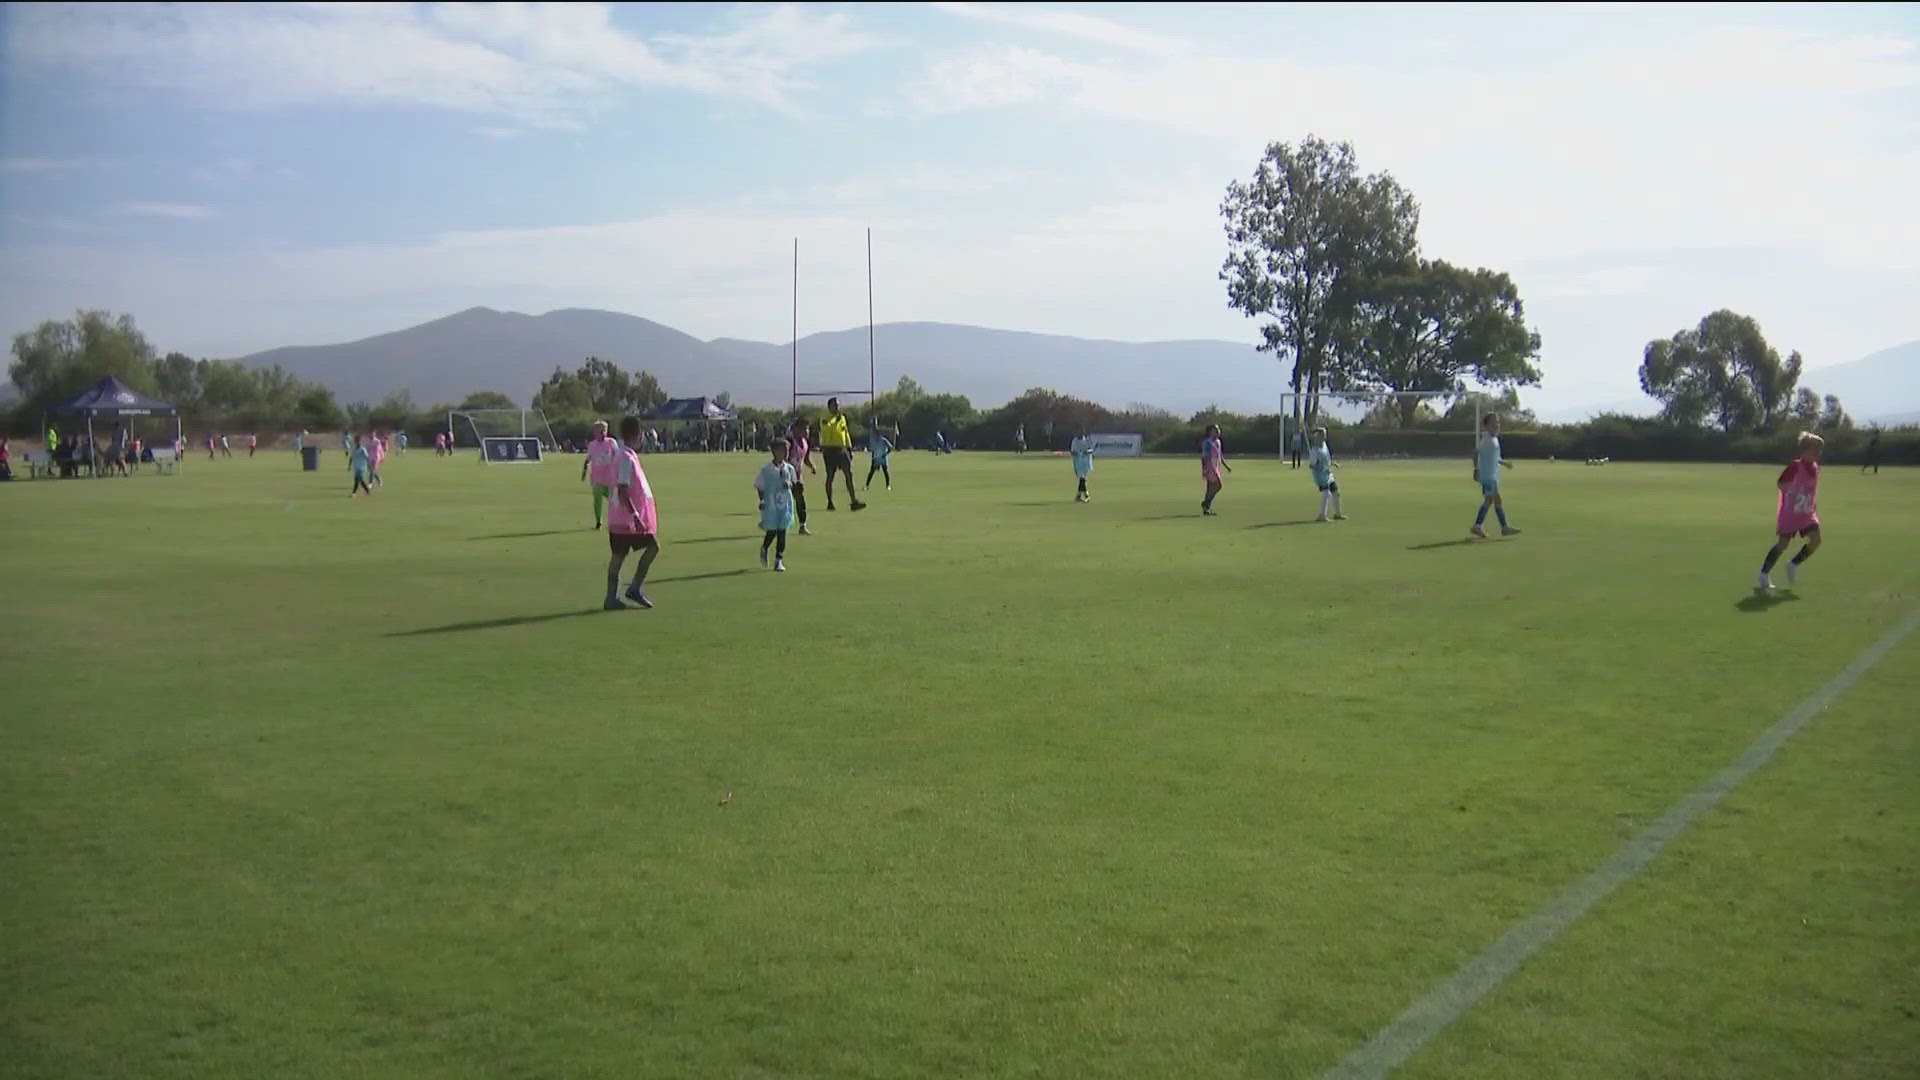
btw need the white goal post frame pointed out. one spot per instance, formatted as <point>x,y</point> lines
<point>1292,403</point>
<point>520,415</point>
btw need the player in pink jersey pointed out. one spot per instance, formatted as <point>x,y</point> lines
<point>1798,515</point>
<point>1213,458</point>
<point>603,459</point>
<point>631,520</point>
<point>799,454</point>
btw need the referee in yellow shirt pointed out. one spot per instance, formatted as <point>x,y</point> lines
<point>836,445</point>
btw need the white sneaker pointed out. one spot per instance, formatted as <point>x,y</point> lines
<point>804,531</point>
<point>1479,531</point>
<point>780,565</point>
<point>1764,583</point>
<point>1793,572</point>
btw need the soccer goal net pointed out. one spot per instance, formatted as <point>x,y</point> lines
<point>1383,423</point>
<point>503,436</point>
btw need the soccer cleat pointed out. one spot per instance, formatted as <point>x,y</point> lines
<point>638,597</point>
<point>1339,517</point>
<point>1764,583</point>
<point>780,565</point>
<point>613,604</point>
<point>830,506</point>
<point>763,558</point>
<point>1508,530</point>
<point>858,505</point>
<point>1479,532</point>
<point>1207,511</point>
<point>1793,572</point>
<point>804,531</point>
<point>1321,518</point>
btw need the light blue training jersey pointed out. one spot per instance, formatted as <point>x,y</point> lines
<point>1489,450</point>
<point>1320,460</point>
<point>1082,449</point>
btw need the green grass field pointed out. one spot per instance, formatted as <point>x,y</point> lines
<point>298,786</point>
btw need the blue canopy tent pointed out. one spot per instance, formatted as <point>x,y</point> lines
<point>700,410</point>
<point>111,397</point>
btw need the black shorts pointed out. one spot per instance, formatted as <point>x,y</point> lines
<point>621,543</point>
<point>1806,532</point>
<point>837,457</point>
<point>1332,486</point>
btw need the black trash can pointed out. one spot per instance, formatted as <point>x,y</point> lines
<point>310,459</point>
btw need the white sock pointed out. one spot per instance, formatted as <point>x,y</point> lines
<point>1325,499</point>
<point>1336,505</point>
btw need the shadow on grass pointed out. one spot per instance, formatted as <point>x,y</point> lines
<point>1462,542</point>
<point>1281,524</point>
<point>715,539</point>
<point>1766,601</point>
<point>698,577</point>
<point>1173,517</point>
<point>494,624</point>
<point>525,535</point>
<point>1049,502</point>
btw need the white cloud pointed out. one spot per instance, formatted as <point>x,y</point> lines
<point>995,77</point>
<point>542,65</point>
<point>175,211</point>
<point>1074,24</point>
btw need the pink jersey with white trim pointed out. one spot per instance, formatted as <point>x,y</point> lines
<point>603,461</point>
<point>1799,485</point>
<point>797,455</point>
<point>629,472</point>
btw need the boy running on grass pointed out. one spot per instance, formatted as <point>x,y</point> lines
<point>603,460</point>
<point>1797,514</point>
<point>1486,469</point>
<point>631,521</point>
<point>881,449</point>
<point>361,463</point>
<point>775,484</point>
<point>1213,458</point>
<point>1320,464</point>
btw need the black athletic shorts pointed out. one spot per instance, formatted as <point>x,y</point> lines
<point>838,457</point>
<point>621,543</point>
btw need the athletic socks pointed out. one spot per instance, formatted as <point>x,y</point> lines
<point>1773,556</point>
<point>1481,518</point>
<point>1499,511</point>
<point>1806,552</point>
<point>613,586</point>
<point>1326,500</point>
<point>1336,504</point>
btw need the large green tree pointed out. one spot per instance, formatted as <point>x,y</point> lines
<point>1303,237</point>
<point>1724,373</point>
<point>1430,325</point>
<point>60,358</point>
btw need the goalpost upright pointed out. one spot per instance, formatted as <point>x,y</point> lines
<point>872,389</point>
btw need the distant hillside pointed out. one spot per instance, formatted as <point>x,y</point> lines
<point>483,349</point>
<point>993,366</point>
<point>1881,387</point>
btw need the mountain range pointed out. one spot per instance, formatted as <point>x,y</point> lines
<point>484,349</point>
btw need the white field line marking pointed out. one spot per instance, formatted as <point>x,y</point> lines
<point>1394,1044</point>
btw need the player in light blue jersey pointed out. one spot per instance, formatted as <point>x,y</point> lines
<point>1320,463</point>
<point>1486,469</point>
<point>880,448</point>
<point>1082,450</point>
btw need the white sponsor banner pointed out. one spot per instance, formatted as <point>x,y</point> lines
<point>1118,445</point>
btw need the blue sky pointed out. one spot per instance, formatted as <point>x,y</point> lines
<point>242,177</point>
